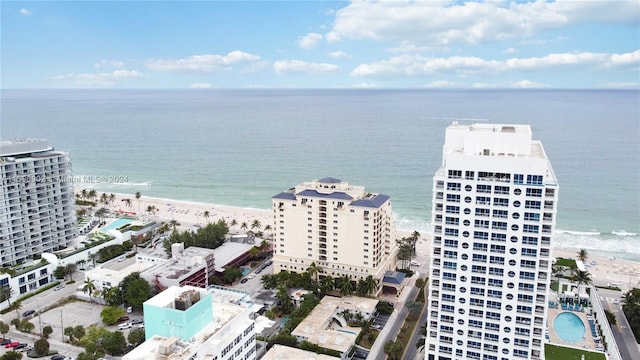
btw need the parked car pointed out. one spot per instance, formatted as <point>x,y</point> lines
<point>123,319</point>
<point>137,321</point>
<point>58,357</point>
<point>21,346</point>
<point>5,342</point>
<point>59,287</point>
<point>26,348</point>
<point>28,313</point>
<point>269,262</point>
<point>244,280</point>
<point>414,263</point>
<point>258,271</point>
<point>124,326</point>
<point>121,259</point>
<point>12,344</point>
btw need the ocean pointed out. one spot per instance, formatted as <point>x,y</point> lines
<point>241,147</point>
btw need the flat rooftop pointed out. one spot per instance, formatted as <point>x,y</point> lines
<point>316,327</point>
<point>281,352</point>
<point>116,276</point>
<point>23,146</point>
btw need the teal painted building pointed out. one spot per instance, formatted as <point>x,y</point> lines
<point>178,311</point>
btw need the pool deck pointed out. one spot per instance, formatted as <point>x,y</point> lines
<point>587,341</point>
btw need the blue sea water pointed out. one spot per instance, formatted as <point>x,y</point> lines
<point>240,147</point>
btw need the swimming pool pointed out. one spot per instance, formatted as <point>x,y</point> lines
<point>569,327</point>
<point>116,224</point>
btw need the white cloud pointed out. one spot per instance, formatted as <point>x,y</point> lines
<point>309,41</point>
<point>254,67</point>
<point>622,85</point>
<point>510,51</point>
<point>332,37</point>
<point>443,23</point>
<point>415,65</point>
<point>99,79</point>
<point>200,86</point>
<point>25,12</point>
<point>202,63</point>
<point>105,63</point>
<point>364,86</point>
<point>527,84</point>
<point>299,66</point>
<point>338,54</point>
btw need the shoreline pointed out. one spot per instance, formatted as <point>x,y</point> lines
<point>190,213</point>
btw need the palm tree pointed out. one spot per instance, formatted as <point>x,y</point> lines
<point>423,337</point>
<point>17,306</point>
<point>372,284</point>
<point>361,288</point>
<point>326,284</point>
<point>6,292</point>
<point>582,277</point>
<point>164,228</point>
<point>256,225</point>
<point>283,299</point>
<point>346,286</point>
<point>89,287</point>
<point>404,254</point>
<point>138,196</point>
<point>269,281</point>
<point>127,202</point>
<point>112,198</point>
<point>81,263</point>
<point>206,215</point>
<point>84,194</point>
<point>583,255</point>
<point>93,257</point>
<point>267,229</point>
<point>244,226</point>
<point>264,246</point>
<point>233,223</point>
<point>92,194</point>
<point>100,213</point>
<point>174,223</point>
<point>314,270</point>
<point>254,252</point>
<point>103,198</point>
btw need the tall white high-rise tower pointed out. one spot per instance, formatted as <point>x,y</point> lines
<point>494,212</point>
<point>37,205</point>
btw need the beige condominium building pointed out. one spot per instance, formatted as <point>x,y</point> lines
<point>344,229</point>
<point>494,212</point>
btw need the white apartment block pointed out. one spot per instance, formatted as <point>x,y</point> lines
<point>37,204</point>
<point>191,323</point>
<point>493,217</point>
<point>342,228</point>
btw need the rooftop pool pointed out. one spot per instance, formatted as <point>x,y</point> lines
<point>569,327</point>
<point>116,224</point>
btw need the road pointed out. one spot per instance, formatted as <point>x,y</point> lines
<point>621,331</point>
<point>411,352</point>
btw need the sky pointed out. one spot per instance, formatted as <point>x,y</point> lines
<point>586,44</point>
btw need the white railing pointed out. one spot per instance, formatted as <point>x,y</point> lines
<point>601,318</point>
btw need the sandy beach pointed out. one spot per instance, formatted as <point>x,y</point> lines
<point>604,270</point>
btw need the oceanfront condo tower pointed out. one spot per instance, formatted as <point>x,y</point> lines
<point>342,228</point>
<point>37,205</point>
<point>494,213</point>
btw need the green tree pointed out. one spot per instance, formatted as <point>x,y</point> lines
<point>394,350</point>
<point>46,331</point>
<point>231,274</point>
<point>78,331</point>
<point>41,346</point>
<point>631,309</point>
<point>68,331</point>
<point>137,292</point>
<point>269,281</point>
<point>112,296</point>
<point>136,337</point>
<point>423,337</point>
<point>244,226</point>
<point>4,328</point>
<point>17,306</point>
<point>89,287</point>
<point>284,301</point>
<point>71,268</point>
<point>405,251</point>
<point>111,314</point>
<point>114,343</point>
<point>254,253</point>
<point>60,272</point>
<point>100,213</point>
<point>206,214</point>
<point>361,288</point>
<point>372,284</point>
<point>6,292</point>
<point>233,223</point>
<point>26,326</point>
<point>11,355</point>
